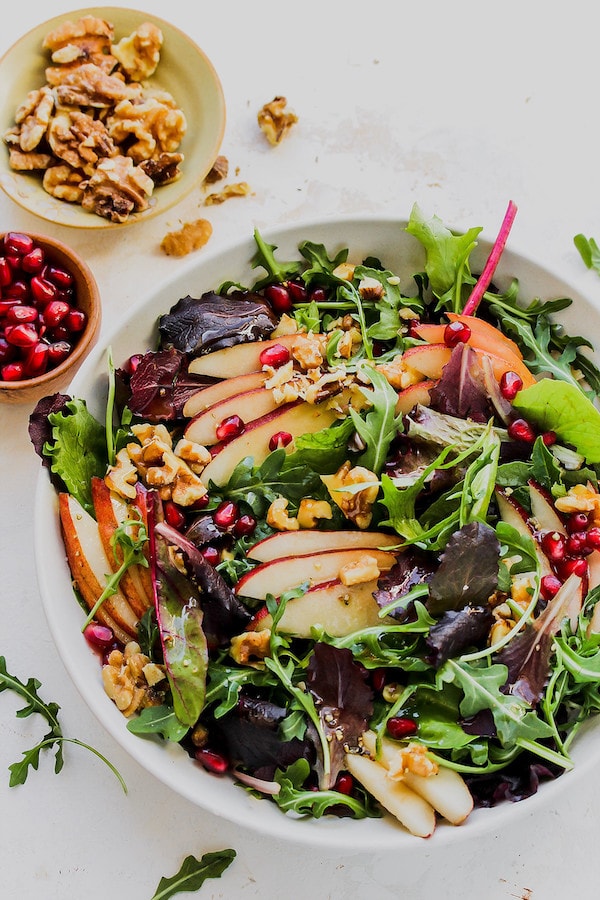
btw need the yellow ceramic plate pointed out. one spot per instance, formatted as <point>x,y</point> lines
<point>184,71</point>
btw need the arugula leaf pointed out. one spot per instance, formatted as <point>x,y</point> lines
<point>589,251</point>
<point>52,740</point>
<point>292,797</point>
<point>158,720</point>
<point>561,407</point>
<point>265,257</point>
<point>381,424</point>
<point>277,476</point>
<point>77,451</point>
<point>193,873</point>
<point>319,262</point>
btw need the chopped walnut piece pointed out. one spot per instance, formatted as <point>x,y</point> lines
<point>157,126</point>
<point>122,477</point>
<point>219,170</point>
<point>88,85</point>
<point>413,758</point>
<point>278,518</point>
<point>360,571</point>
<point>28,162</point>
<point>250,646</point>
<point>310,511</point>
<point>241,189</point>
<point>357,507</point>
<point>117,189</point>
<point>72,44</point>
<point>34,116</point>
<point>164,169</point>
<point>80,140</point>
<point>139,53</point>
<point>191,236</point>
<point>130,679</point>
<point>275,121</point>
<point>64,183</point>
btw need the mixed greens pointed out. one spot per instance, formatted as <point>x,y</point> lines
<point>468,417</point>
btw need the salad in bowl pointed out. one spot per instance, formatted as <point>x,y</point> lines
<point>334,528</point>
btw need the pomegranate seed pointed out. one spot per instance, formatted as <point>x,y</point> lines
<point>568,567</point>
<point>13,371</point>
<point>212,761</point>
<point>59,334</point>
<point>14,263</point>
<point>42,291</point>
<point>75,320</point>
<point>58,351</point>
<point>280,439</point>
<point>275,356</point>
<point>59,277</point>
<point>378,680</point>
<point>553,545</point>
<point>132,363</point>
<point>7,351</point>
<point>520,430</point>
<point>37,359</point>
<point>55,312</point>
<point>230,428</point>
<point>400,727</point>
<point>174,515</point>
<point>24,335</point>
<point>577,544</point>
<point>33,261</point>
<point>510,385</point>
<point>6,305</point>
<point>549,438</point>
<point>344,783</point>
<point>244,526</point>
<point>297,291</point>
<point>21,313</point>
<point>211,555</point>
<point>17,243</point>
<point>578,521</point>
<point>592,538</point>
<point>17,290</point>
<point>279,298</point>
<point>226,514</point>
<point>550,586</point>
<point>201,503</point>
<point>99,636</point>
<point>5,272</point>
<point>456,333</point>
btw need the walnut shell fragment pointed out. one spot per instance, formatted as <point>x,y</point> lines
<point>191,236</point>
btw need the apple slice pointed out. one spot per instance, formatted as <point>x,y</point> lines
<point>221,390</point>
<point>313,540</point>
<point>286,572</point>
<point>484,336</point>
<point>516,515</point>
<point>337,608</point>
<point>111,511</point>
<point>414,394</point>
<point>543,510</point>
<point>239,359</point>
<point>430,359</point>
<point>89,567</point>
<point>295,418</point>
<point>248,406</point>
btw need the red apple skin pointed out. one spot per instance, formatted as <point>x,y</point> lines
<point>340,610</point>
<point>248,406</point>
<point>296,418</point>
<point>414,394</point>
<point>77,532</point>
<point>299,543</point>
<point>131,582</point>
<point>282,574</point>
<point>222,390</point>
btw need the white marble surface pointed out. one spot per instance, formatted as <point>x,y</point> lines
<point>458,106</point>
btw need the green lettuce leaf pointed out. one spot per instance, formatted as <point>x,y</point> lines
<point>78,450</point>
<point>559,406</point>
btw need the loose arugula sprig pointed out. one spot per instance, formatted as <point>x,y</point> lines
<point>52,740</point>
<point>193,873</point>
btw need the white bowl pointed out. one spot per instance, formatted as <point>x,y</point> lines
<point>387,239</point>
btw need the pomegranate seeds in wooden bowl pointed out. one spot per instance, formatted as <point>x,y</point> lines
<point>50,315</point>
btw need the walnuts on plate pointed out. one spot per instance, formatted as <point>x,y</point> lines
<point>98,132</point>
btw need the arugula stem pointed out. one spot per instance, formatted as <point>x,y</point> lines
<point>66,740</point>
<point>110,405</point>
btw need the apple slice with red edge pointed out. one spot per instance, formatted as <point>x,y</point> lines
<point>430,359</point>
<point>413,395</point>
<point>111,511</point>
<point>294,418</point>
<point>222,390</point>
<point>284,573</point>
<point>543,510</point>
<point>337,608</point>
<point>513,513</point>
<point>248,406</point>
<point>239,359</point>
<point>90,566</point>
<point>314,540</point>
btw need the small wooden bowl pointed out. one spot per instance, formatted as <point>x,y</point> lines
<point>87,296</point>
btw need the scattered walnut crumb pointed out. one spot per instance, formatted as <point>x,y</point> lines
<point>191,236</point>
<point>241,189</point>
<point>219,170</point>
<point>275,121</point>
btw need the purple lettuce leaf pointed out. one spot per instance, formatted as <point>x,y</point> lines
<point>213,321</point>
<point>468,570</point>
<point>517,781</point>
<point>159,386</point>
<point>456,631</point>
<point>413,567</point>
<point>461,391</point>
<point>343,699</point>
